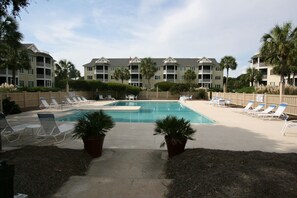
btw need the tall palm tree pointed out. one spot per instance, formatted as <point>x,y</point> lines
<point>122,74</point>
<point>63,71</point>
<point>148,69</point>
<point>228,62</point>
<point>12,54</point>
<point>278,46</point>
<point>253,76</point>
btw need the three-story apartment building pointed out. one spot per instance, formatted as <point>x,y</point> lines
<point>40,74</point>
<point>208,71</point>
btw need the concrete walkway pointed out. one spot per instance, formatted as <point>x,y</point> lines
<point>122,173</point>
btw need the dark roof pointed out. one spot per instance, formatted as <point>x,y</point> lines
<point>159,61</point>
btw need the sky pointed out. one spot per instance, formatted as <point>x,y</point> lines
<point>80,30</point>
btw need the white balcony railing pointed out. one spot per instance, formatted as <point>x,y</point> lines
<point>208,71</point>
<point>169,71</point>
<point>40,75</point>
<point>204,80</point>
<point>136,80</point>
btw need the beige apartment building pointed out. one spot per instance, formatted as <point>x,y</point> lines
<point>208,71</point>
<point>268,78</point>
<point>41,73</point>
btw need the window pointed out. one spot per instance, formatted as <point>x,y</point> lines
<point>272,83</point>
<point>193,68</point>
<point>21,71</point>
<point>89,68</point>
<point>217,86</point>
<point>89,77</point>
<point>157,77</point>
<point>30,83</point>
<point>217,77</point>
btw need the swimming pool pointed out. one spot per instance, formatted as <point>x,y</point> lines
<point>148,113</point>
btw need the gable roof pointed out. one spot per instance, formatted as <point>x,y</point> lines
<point>114,62</point>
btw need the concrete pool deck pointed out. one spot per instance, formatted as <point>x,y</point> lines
<point>231,131</point>
<point>132,164</point>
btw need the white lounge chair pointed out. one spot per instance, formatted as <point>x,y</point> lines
<point>256,109</point>
<point>248,106</point>
<point>109,97</point>
<point>277,114</point>
<point>70,102</point>
<point>49,127</point>
<point>44,104</point>
<point>84,99</point>
<point>269,109</point>
<point>100,97</point>
<point>8,131</point>
<point>288,124</point>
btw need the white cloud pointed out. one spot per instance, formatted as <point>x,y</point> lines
<point>157,28</point>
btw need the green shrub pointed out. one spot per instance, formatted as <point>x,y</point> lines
<point>10,107</point>
<point>178,88</point>
<point>246,90</point>
<point>200,94</point>
<point>36,89</point>
<point>164,86</point>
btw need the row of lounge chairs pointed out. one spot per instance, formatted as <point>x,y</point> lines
<point>47,128</point>
<point>218,101</point>
<point>272,111</point>
<point>183,98</point>
<point>68,101</point>
<point>108,97</point>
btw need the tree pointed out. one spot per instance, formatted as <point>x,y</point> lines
<point>253,76</point>
<point>278,47</point>
<point>65,70</point>
<point>148,69</point>
<point>14,5</point>
<point>189,76</point>
<point>228,62</point>
<point>122,74</point>
<point>13,55</point>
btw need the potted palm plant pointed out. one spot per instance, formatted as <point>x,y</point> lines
<point>176,131</point>
<point>92,128</point>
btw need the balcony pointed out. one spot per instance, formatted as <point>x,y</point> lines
<point>134,71</point>
<point>169,71</point>
<point>204,80</point>
<point>205,71</point>
<point>264,77</point>
<point>40,64</point>
<point>48,76</point>
<point>100,71</point>
<point>40,75</point>
<point>134,80</point>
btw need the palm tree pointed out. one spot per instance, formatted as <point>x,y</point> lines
<point>148,69</point>
<point>228,62</point>
<point>63,71</point>
<point>13,55</point>
<point>278,47</point>
<point>122,74</point>
<point>253,76</point>
<point>189,76</point>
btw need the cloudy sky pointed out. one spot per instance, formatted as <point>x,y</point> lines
<point>79,30</point>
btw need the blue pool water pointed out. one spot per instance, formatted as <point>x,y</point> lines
<point>148,113</point>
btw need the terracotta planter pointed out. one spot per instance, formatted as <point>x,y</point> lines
<point>175,147</point>
<point>94,146</point>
